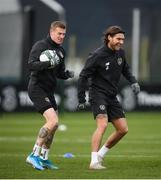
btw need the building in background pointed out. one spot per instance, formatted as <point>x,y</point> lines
<point>25,21</point>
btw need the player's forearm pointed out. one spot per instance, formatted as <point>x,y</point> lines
<point>38,66</point>
<point>82,84</point>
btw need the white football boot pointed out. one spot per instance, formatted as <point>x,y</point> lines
<point>96,166</point>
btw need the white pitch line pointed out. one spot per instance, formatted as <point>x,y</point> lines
<point>87,155</point>
<point>31,139</point>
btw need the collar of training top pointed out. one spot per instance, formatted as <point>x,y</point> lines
<point>108,50</point>
<point>51,41</point>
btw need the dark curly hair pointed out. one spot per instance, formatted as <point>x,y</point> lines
<point>112,31</point>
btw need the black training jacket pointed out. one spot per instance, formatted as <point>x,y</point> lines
<point>41,74</point>
<point>104,68</point>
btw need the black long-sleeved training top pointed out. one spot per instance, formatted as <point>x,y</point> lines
<point>104,67</point>
<point>41,74</point>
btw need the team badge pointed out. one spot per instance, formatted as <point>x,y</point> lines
<point>47,99</point>
<point>102,107</point>
<point>119,61</point>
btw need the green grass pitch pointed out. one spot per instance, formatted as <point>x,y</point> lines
<point>137,155</point>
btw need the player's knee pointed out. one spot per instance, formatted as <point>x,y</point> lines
<point>101,122</point>
<point>103,125</point>
<point>123,131</point>
<point>55,125</point>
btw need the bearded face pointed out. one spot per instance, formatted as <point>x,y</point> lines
<point>115,42</point>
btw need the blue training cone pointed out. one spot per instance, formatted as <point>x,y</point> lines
<point>68,155</point>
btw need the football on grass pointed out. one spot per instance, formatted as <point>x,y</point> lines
<point>47,55</point>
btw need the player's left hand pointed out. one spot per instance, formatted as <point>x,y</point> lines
<point>135,88</point>
<point>70,74</point>
<point>81,106</point>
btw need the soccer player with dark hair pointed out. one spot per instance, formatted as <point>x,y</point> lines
<point>104,68</point>
<point>41,88</point>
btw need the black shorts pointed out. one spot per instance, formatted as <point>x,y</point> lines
<point>41,100</point>
<point>102,104</point>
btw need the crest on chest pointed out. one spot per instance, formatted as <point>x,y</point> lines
<point>119,60</point>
